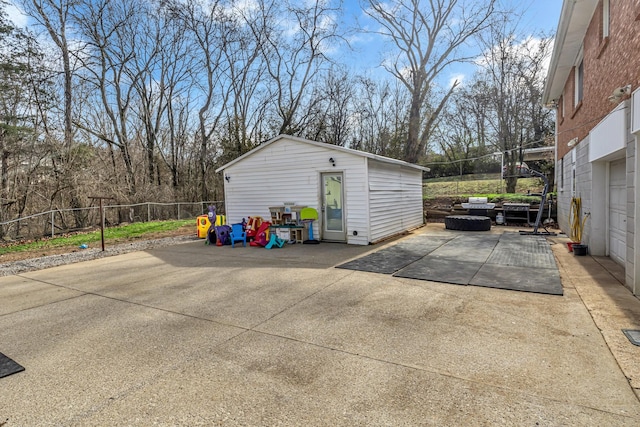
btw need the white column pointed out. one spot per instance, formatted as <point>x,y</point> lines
<point>635,284</point>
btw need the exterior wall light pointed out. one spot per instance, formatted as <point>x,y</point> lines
<point>619,93</point>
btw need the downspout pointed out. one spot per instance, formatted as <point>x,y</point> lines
<point>635,129</point>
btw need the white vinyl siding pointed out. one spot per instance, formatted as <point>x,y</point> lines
<point>288,171</point>
<point>395,199</point>
<point>356,204</point>
<point>617,211</point>
<point>382,196</point>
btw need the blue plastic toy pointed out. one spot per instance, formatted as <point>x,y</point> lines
<point>238,235</point>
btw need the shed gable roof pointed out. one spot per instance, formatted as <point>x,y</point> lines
<point>324,145</point>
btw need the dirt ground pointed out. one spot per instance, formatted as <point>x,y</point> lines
<point>438,208</point>
<point>35,253</point>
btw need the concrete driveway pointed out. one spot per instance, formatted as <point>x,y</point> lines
<point>195,335</point>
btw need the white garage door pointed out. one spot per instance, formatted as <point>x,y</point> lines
<point>617,211</point>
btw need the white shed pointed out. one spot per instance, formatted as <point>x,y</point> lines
<point>360,197</point>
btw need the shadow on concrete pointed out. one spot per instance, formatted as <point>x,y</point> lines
<point>323,255</point>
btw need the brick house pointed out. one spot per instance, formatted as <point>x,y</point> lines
<point>593,83</point>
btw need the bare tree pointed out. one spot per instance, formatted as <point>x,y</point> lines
<point>108,29</point>
<point>428,36</point>
<point>172,124</point>
<point>460,133</point>
<point>161,75</point>
<point>249,96</point>
<point>381,118</point>
<point>330,120</point>
<point>55,16</point>
<point>149,70</point>
<point>204,24</point>
<point>296,36</point>
<point>512,75</point>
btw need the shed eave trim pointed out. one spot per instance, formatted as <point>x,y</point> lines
<point>324,145</point>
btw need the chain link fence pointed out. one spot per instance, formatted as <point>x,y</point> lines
<point>61,221</point>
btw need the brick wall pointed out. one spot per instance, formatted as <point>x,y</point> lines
<point>608,63</point>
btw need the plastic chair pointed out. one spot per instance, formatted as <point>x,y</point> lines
<point>238,235</point>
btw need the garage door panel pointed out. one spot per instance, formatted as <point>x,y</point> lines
<point>617,211</point>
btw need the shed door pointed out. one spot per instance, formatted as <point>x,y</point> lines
<point>333,223</point>
<point>617,211</point>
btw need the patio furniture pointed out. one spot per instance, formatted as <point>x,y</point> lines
<point>238,235</point>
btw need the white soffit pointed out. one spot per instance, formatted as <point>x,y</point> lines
<point>635,111</point>
<point>572,27</point>
<point>608,138</point>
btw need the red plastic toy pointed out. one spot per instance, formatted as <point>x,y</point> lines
<point>260,238</point>
<point>252,227</point>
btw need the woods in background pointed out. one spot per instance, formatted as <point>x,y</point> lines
<point>143,100</point>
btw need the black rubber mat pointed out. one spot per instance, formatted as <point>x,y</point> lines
<point>633,335</point>
<point>526,279</point>
<point>392,259</point>
<point>503,261</point>
<point>523,251</point>
<point>467,249</point>
<point>8,366</point>
<point>441,270</point>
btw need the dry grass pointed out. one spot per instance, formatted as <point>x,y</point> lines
<point>466,188</point>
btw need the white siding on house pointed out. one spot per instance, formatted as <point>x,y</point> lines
<point>618,211</point>
<point>395,199</point>
<point>289,171</point>
<point>608,195</point>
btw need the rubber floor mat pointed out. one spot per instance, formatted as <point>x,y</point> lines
<point>523,251</point>
<point>441,270</point>
<point>466,248</point>
<point>392,259</point>
<point>8,366</point>
<point>502,261</point>
<point>526,279</point>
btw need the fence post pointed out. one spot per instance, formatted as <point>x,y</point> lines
<point>53,230</point>
<point>178,211</point>
<point>148,212</point>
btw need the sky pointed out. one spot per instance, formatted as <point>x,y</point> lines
<point>536,16</point>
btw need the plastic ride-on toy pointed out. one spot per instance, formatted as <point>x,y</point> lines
<point>260,238</point>
<point>253,224</point>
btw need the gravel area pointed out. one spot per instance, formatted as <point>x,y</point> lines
<point>32,264</point>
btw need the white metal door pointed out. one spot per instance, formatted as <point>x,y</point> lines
<point>333,207</point>
<point>618,211</point>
